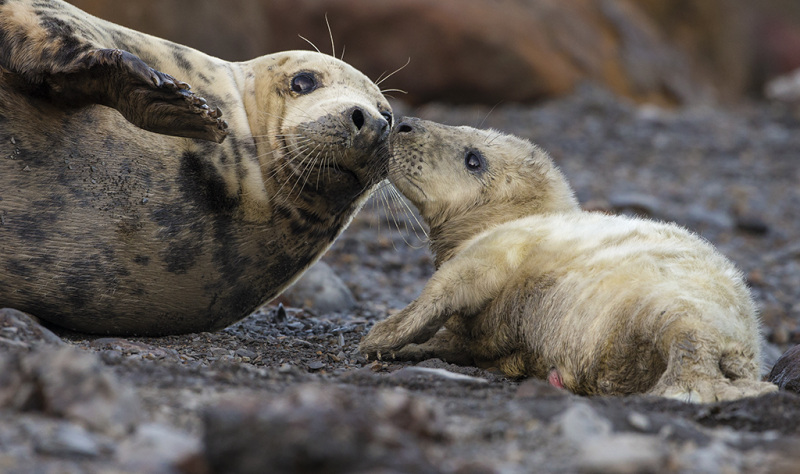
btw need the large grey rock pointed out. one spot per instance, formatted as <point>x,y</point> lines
<point>67,383</point>
<point>320,290</point>
<point>786,372</point>
<point>19,330</point>
<point>157,448</point>
<point>321,429</point>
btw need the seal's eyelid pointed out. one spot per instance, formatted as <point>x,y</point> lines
<point>303,83</point>
<point>474,161</point>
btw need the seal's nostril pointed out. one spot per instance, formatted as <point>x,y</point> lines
<point>358,118</point>
<point>404,128</point>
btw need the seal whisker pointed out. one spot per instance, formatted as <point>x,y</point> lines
<point>415,223</point>
<point>487,113</point>
<point>288,164</point>
<point>382,78</point>
<point>330,33</point>
<point>307,166</point>
<point>312,44</point>
<point>303,155</point>
<point>384,91</point>
<point>404,231</point>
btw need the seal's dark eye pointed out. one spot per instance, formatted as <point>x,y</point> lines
<point>388,117</point>
<point>474,161</point>
<point>304,83</point>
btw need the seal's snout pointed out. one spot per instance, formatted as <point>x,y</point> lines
<point>404,127</point>
<point>408,125</point>
<point>366,124</point>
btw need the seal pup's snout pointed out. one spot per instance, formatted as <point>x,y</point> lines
<point>407,125</point>
<point>367,126</point>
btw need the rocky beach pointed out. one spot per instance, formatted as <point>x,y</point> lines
<point>285,390</point>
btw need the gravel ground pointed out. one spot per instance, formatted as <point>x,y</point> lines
<point>285,390</point>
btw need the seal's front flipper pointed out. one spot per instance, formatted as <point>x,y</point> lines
<point>41,45</point>
<point>150,99</point>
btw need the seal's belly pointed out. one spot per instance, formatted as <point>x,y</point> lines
<point>101,221</point>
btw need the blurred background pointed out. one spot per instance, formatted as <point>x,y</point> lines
<point>665,52</point>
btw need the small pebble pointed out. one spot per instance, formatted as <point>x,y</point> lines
<point>639,421</point>
<point>69,439</point>
<point>285,368</point>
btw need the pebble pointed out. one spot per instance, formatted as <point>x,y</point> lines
<point>715,457</point>
<point>752,225</point>
<point>321,290</point>
<point>242,352</point>
<point>535,388</point>
<point>639,421</point>
<point>68,439</point>
<point>786,372</point>
<point>285,368</point>
<point>435,373</point>
<point>642,204</point>
<point>623,454</point>
<point>315,428</point>
<point>22,330</point>
<point>156,447</point>
<point>68,383</point>
<point>581,422</point>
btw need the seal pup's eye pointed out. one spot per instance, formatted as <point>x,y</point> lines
<point>304,83</point>
<point>474,161</point>
<point>388,117</point>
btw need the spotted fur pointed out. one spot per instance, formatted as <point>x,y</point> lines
<point>530,284</point>
<point>108,227</point>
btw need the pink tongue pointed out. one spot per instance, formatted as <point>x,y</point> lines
<point>554,378</point>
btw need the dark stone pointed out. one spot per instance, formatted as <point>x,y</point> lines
<point>321,429</point>
<point>786,372</point>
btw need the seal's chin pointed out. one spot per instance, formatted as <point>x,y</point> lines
<point>335,173</point>
<point>406,185</point>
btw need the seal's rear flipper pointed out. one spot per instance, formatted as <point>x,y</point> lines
<point>69,67</point>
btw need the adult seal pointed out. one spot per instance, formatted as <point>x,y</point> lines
<point>529,283</point>
<point>107,227</point>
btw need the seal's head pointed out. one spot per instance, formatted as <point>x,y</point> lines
<point>464,180</point>
<point>323,122</point>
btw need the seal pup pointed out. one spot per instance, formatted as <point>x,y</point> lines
<point>107,227</point>
<point>529,283</point>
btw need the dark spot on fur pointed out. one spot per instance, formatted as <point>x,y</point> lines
<point>182,227</point>
<point>182,255</point>
<point>202,184</point>
<point>142,260</point>
<point>180,59</point>
<point>244,299</point>
<point>29,229</point>
<point>18,269</point>
<point>227,257</point>
<point>35,226</point>
<point>283,212</point>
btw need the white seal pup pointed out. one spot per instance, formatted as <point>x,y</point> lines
<point>529,283</point>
